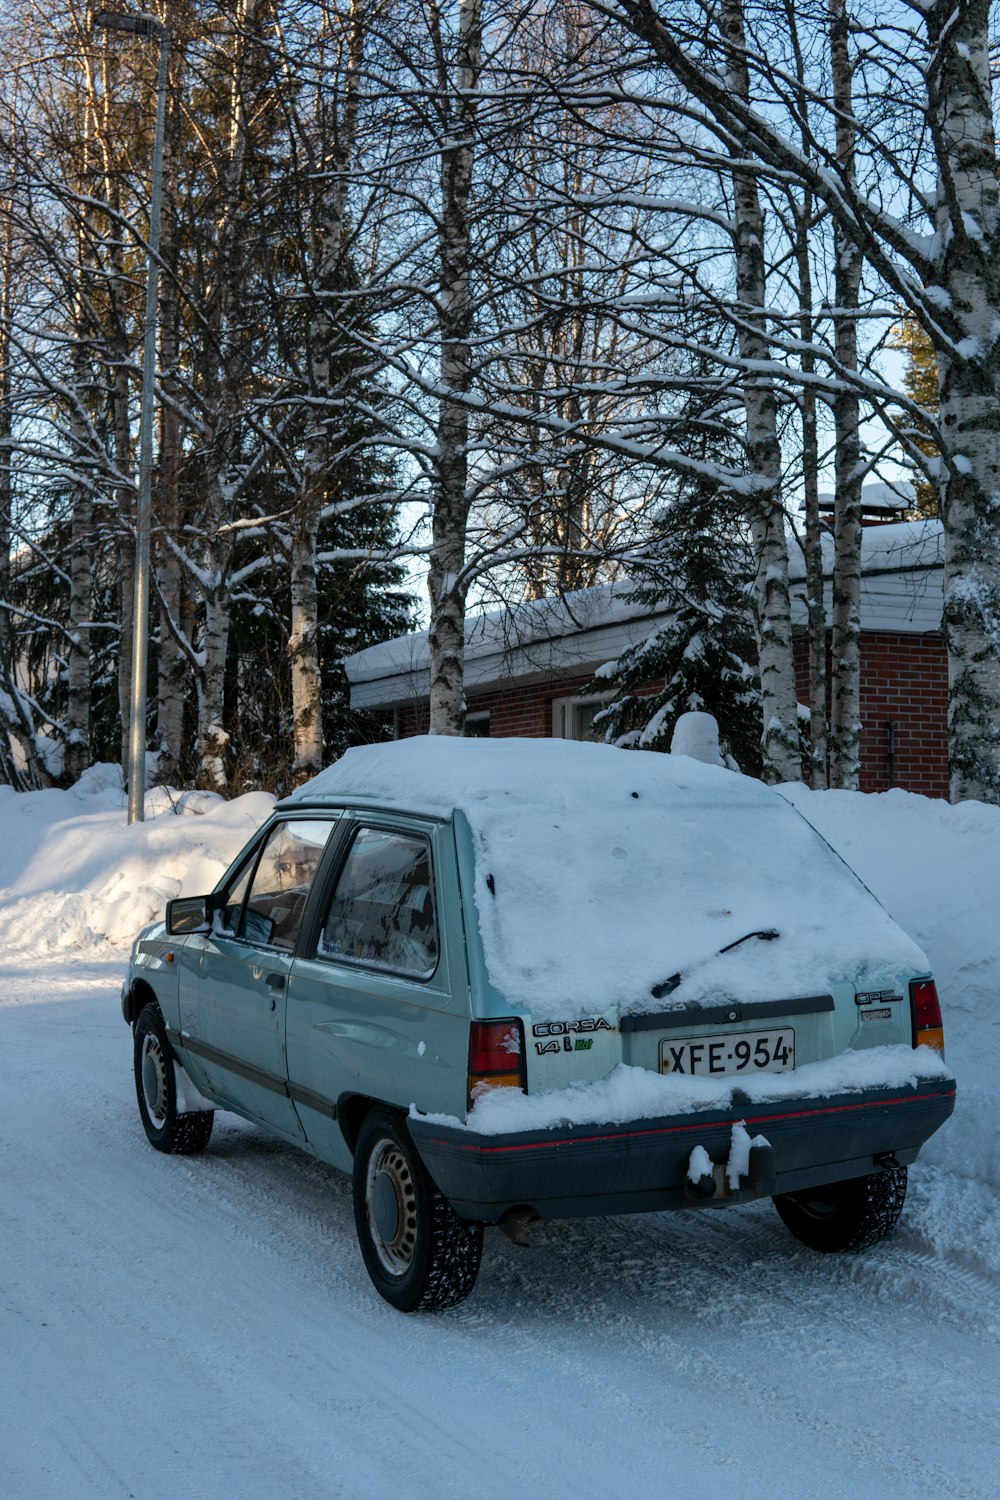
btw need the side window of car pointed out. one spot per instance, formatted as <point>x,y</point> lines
<point>285,872</point>
<point>381,913</point>
<point>235,896</point>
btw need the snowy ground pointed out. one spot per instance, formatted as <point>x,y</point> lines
<point>189,1328</point>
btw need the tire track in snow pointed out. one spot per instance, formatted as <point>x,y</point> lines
<point>227,1291</point>
<point>713,1287</point>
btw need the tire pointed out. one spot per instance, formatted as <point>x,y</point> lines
<point>843,1216</point>
<point>156,1091</point>
<point>419,1254</point>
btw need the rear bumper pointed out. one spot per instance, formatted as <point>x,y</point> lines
<point>642,1165</point>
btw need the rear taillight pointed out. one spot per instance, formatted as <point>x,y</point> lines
<point>925,1007</point>
<point>496,1055</point>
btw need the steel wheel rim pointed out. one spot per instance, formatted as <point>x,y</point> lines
<point>389,1173</point>
<point>153,1072</point>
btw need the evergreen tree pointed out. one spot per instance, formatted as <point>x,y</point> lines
<point>699,656</point>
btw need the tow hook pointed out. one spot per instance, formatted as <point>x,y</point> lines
<point>749,1168</point>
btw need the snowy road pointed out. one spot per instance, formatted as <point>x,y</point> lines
<point>200,1328</point>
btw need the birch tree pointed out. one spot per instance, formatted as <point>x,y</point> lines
<point>931,231</point>
<point>845,648</point>
<point>772,605</point>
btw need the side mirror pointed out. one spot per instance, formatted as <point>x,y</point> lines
<point>189,914</point>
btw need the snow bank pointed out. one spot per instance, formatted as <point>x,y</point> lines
<point>73,875</point>
<point>601,873</point>
<point>936,868</point>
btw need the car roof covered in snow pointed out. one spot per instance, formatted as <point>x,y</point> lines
<point>437,773</point>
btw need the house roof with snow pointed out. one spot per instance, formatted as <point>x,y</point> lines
<point>901,590</point>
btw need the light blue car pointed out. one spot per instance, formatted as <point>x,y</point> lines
<point>504,980</point>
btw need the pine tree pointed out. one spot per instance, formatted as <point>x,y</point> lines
<point>699,657</point>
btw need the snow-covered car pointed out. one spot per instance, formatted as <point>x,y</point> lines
<point>511,979</point>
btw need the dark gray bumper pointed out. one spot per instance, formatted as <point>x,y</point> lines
<point>642,1166</point>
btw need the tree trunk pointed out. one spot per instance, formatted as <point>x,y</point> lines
<point>845,715</point>
<point>803,211</point>
<point>303,646</point>
<point>451,501</point>
<point>813,550</point>
<point>969,210</point>
<point>77,752</point>
<point>212,734</point>
<point>224,403</point>
<point>324,342</point>
<point>772,605</point>
<point>173,663</point>
<point>12,748</point>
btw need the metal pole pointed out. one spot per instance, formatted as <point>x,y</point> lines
<point>140,618</point>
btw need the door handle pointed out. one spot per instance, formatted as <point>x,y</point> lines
<point>275,981</point>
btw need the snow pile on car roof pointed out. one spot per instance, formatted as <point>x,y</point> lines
<point>601,873</point>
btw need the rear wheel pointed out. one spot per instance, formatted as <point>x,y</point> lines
<point>849,1215</point>
<point>417,1251</point>
<point>156,1091</point>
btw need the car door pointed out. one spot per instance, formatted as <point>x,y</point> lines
<point>370,1008</point>
<point>234,987</point>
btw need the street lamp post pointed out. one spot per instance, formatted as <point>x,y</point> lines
<point>145,26</point>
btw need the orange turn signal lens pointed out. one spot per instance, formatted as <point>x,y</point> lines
<point>928,1027</point>
<point>480,1081</point>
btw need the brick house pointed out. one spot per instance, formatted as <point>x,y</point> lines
<point>526,668</point>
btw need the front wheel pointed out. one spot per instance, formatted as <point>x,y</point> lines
<point>849,1215</point>
<point>417,1251</point>
<point>156,1091</point>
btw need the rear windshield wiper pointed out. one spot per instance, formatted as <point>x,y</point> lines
<point>667,986</point>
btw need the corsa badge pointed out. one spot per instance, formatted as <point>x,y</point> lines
<point>568,1036</point>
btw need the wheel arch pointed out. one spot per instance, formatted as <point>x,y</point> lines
<point>139,994</point>
<point>353,1110</point>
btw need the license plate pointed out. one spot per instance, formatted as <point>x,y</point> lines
<point>730,1052</point>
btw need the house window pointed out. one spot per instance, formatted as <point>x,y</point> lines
<point>573,718</point>
<point>477,726</point>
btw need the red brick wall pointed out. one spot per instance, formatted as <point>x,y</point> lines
<point>520,709</point>
<point>904,681</point>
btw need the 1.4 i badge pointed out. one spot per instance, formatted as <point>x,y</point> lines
<point>563,1036</point>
